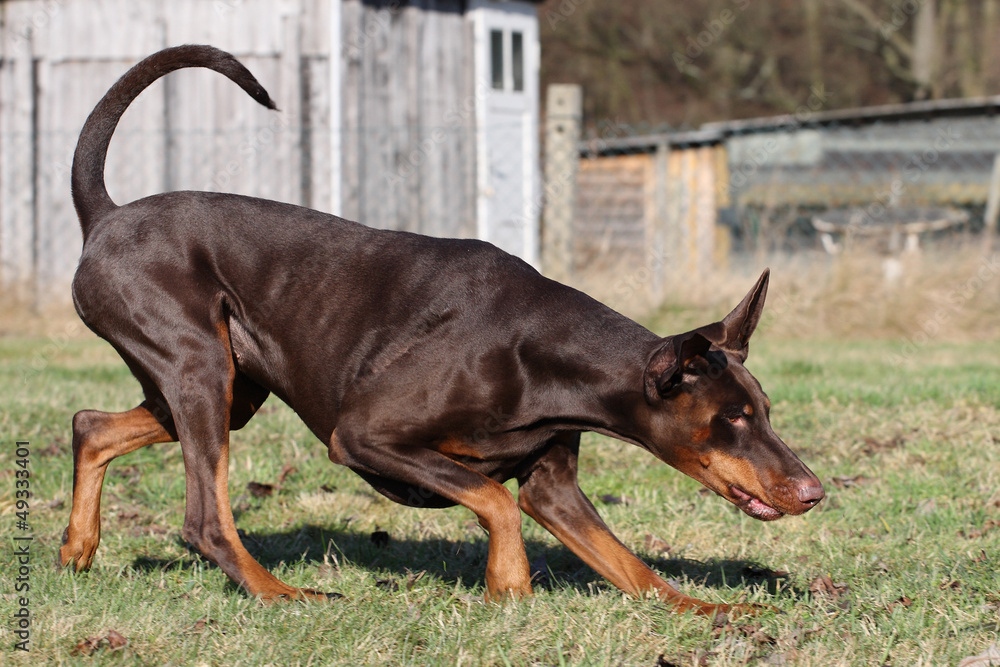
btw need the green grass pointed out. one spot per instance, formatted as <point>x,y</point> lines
<point>909,453</point>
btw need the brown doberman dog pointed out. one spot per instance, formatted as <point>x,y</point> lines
<point>436,369</point>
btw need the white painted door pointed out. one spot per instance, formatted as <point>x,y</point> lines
<point>507,57</point>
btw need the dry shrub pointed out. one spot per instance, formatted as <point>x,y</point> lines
<point>946,294</point>
<point>940,293</point>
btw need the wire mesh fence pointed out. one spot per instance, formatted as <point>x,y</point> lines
<point>693,199</point>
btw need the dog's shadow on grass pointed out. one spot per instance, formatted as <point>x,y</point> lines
<point>392,561</point>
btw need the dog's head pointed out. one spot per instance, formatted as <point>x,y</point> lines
<point>709,417</point>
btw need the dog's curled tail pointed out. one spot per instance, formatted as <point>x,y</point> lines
<point>90,195</point>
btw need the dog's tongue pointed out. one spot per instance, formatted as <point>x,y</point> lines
<point>754,506</point>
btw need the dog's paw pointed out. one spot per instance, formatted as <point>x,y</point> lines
<point>77,554</point>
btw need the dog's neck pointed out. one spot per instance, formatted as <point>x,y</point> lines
<point>593,381</point>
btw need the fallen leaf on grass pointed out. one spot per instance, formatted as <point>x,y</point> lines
<point>202,623</point>
<point>991,658</point>
<point>114,640</point>
<point>951,584</point>
<point>326,570</point>
<point>663,662</point>
<point>326,488</point>
<point>721,625</point>
<point>258,490</point>
<point>823,585</point>
<point>656,545</point>
<point>86,646</point>
<point>903,601</point>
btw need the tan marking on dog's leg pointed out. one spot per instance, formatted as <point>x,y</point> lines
<point>507,572</point>
<point>600,549</point>
<point>98,439</point>
<point>252,576</point>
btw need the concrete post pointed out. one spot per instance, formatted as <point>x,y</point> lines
<point>563,115</point>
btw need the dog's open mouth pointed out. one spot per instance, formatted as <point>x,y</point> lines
<point>754,506</point>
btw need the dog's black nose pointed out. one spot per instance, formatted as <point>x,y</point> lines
<point>811,494</point>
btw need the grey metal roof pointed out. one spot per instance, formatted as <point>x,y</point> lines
<point>713,133</point>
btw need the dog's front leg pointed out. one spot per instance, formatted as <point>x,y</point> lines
<point>549,494</point>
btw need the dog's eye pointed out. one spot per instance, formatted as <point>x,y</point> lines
<point>739,414</point>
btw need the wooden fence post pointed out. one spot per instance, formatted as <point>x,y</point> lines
<point>563,114</point>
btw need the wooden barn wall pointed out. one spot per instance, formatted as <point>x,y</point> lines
<point>657,210</point>
<point>192,130</point>
<point>409,117</point>
<point>407,114</point>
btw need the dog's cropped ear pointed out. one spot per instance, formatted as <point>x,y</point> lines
<point>739,325</point>
<point>666,367</point>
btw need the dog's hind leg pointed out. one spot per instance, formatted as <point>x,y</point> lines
<point>101,437</point>
<point>98,438</point>
<point>199,388</point>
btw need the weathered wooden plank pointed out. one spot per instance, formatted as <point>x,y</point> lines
<point>705,207</point>
<point>316,132</point>
<point>88,30</point>
<point>288,141</point>
<point>353,44</point>
<point>410,119</point>
<point>242,27</point>
<point>676,237</point>
<point>62,107</point>
<point>377,129</point>
<point>315,22</point>
<point>17,162</point>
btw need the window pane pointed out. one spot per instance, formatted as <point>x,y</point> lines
<point>517,60</point>
<point>496,58</point>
